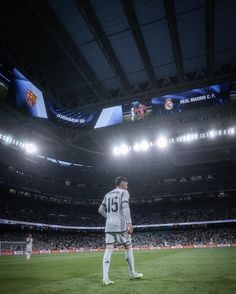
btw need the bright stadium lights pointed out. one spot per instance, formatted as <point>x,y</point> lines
<point>212,133</point>
<point>136,147</point>
<point>191,137</point>
<point>30,148</point>
<point>162,142</point>
<point>121,150</point>
<point>142,146</point>
<point>231,131</point>
<point>124,149</point>
<point>8,139</point>
<point>22,145</point>
<point>116,151</point>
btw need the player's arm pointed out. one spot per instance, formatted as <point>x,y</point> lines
<point>126,209</point>
<point>102,209</point>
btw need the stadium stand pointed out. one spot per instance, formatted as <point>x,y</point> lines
<point>49,240</point>
<point>22,206</point>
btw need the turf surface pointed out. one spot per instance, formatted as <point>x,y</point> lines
<point>183,271</point>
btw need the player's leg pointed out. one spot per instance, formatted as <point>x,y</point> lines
<point>129,257</point>
<point>110,241</point>
<point>27,253</point>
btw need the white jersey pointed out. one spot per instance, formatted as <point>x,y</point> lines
<point>132,113</point>
<point>29,244</point>
<point>115,216</point>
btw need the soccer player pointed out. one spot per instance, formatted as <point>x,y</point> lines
<point>29,245</point>
<point>115,208</point>
<point>132,111</point>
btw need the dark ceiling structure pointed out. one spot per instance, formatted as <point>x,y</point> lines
<point>86,53</point>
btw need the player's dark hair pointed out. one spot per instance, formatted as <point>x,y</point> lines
<point>120,179</point>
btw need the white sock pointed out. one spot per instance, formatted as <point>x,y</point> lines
<point>130,259</point>
<point>106,263</point>
<point>27,255</point>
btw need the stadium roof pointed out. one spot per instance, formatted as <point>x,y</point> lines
<point>88,52</point>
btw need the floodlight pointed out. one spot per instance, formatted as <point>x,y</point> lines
<point>184,137</point>
<point>144,145</point>
<point>116,151</point>
<point>231,131</point>
<point>195,136</point>
<point>136,147</point>
<point>124,149</point>
<point>29,148</point>
<point>212,133</point>
<point>121,150</point>
<point>162,142</point>
<point>8,139</point>
<point>191,137</point>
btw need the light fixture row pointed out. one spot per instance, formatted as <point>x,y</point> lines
<point>162,142</point>
<point>28,147</point>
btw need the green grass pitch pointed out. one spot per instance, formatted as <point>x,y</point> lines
<point>183,271</point>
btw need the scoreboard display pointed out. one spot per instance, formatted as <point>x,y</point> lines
<point>21,93</point>
<point>143,109</point>
<point>29,99</point>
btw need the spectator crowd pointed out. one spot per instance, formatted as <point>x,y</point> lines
<point>23,207</point>
<point>51,240</point>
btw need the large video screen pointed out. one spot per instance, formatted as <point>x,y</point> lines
<point>192,99</point>
<point>29,99</point>
<point>71,118</point>
<point>129,112</point>
<point>109,116</point>
<point>142,109</point>
<point>136,110</point>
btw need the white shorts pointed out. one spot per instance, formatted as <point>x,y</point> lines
<point>118,238</point>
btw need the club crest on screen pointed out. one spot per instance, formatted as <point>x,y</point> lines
<point>31,98</point>
<point>168,104</point>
